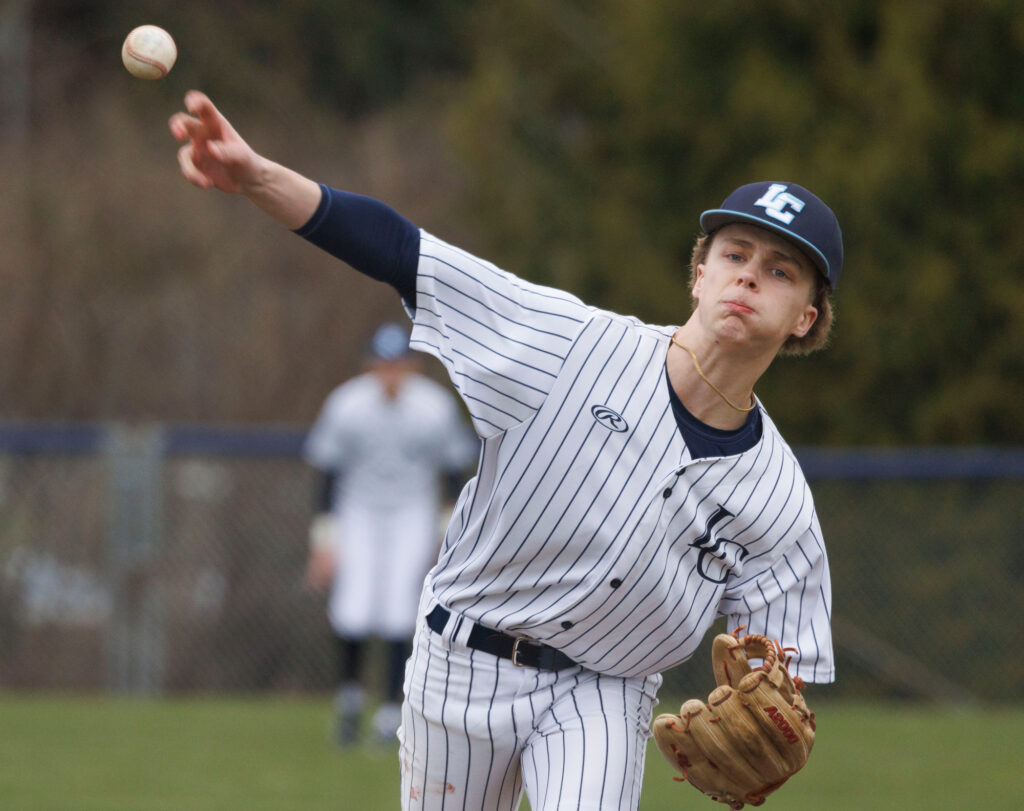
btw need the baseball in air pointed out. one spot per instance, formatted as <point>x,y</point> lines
<point>149,52</point>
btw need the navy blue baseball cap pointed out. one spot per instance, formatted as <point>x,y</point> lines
<point>790,211</point>
<point>389,342</point>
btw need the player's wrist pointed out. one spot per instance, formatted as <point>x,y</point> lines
<point>257,180</point>
<point>287,196</point>
<point>322,532</point>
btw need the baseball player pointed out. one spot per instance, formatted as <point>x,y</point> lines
<point>631,487</point>
<point>385,441</point>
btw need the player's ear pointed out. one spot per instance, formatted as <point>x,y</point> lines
<point>698,280</point>
<point>806,320</point>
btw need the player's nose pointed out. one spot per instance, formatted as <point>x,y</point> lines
<point>747,276</point>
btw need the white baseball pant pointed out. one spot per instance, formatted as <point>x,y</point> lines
<point>384,555</point>
<point>477,730</point>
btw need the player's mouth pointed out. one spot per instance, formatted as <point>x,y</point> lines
<point>738,307</point>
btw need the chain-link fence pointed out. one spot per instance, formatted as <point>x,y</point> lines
<point>167,559</point>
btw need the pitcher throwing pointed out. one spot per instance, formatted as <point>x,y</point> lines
<point>631,486</point>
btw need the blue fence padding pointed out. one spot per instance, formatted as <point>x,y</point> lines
<point>912,463</point>
<point>279,441</point>
<point>58,438</point>
<point>273,441</point>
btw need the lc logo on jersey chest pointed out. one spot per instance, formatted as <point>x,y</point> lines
<point>723,550</point>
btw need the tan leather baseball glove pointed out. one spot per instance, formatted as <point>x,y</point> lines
<point>754,732</point>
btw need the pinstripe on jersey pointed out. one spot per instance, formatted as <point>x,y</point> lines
<point>600,534</point>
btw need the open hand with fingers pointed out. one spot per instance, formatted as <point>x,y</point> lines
<point>214,155</point>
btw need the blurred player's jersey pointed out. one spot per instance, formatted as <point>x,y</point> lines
<point>389,452</point>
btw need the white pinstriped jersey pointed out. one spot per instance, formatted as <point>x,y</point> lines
<point>589,525</point>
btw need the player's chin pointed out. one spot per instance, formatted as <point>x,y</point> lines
<point>749,336</point>
<point>737,328</point>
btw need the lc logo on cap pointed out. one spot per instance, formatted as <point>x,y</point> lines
<point>775,202</point>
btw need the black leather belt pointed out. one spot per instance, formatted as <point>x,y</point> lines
<point>523,651</point>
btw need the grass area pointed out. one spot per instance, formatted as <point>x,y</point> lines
<point>105,754</point>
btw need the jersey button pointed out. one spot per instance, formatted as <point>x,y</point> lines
<point>567,625</point>
<point>667,493</point>
<point>615,583</point>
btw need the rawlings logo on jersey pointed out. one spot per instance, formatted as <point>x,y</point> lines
<point>611,420</point>
<point>725,551</point>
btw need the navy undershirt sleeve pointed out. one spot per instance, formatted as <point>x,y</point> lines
<point>370,236</point>
<point>326,488</point>
<point>453,482</point>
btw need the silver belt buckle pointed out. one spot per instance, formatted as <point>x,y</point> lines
<point>515,650</point>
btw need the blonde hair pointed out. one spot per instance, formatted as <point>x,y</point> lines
<point>816,337</point>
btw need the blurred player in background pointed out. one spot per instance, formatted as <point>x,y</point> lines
<point>387,442</point>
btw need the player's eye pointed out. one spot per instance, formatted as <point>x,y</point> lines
<point>734,257</point>
<point>780,273</point>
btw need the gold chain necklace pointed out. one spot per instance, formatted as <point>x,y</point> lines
<point>718,391</point>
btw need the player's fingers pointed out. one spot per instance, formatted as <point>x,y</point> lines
<point>183,126</point>
<point>189,170</point>
<point>231,154</point>
<point>206,112</point>
<point>199,104</point>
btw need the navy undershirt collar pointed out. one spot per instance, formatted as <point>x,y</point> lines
<point>705,441</point>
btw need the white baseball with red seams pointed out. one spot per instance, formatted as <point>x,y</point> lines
<point>149,52</point>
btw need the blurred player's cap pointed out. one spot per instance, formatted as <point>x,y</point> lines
<point>389,342</point>
<point>789,210</point>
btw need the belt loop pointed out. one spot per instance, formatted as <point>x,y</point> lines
<point>461,631</point>
<point>450,628</point>
<point>456,628</point>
